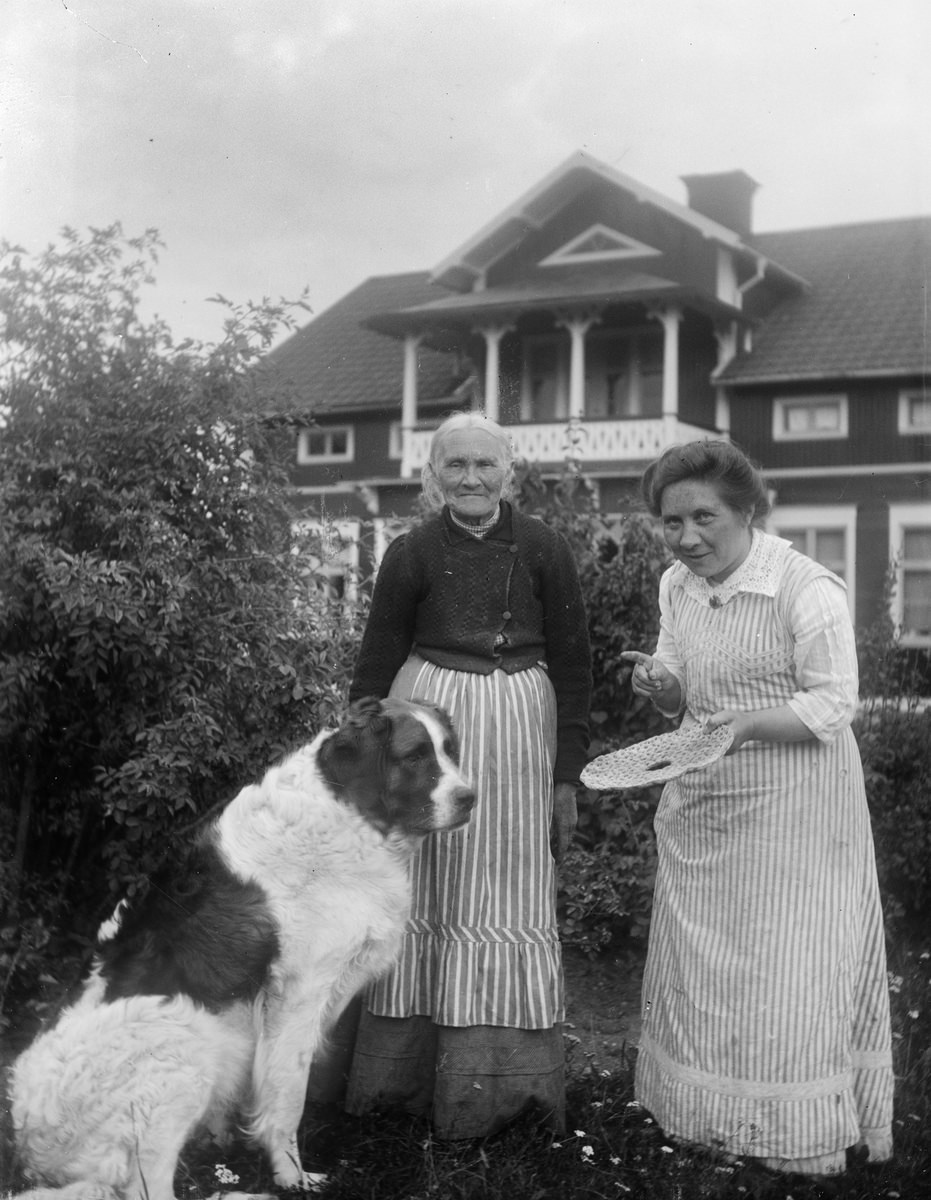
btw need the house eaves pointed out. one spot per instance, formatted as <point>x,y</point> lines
<point>467,266</point>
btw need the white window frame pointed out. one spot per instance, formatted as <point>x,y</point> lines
<point>306,458</point>
<point>396,430</point>
<point>345,556</point>
<point>385,530</point>
<point>902,517</point>
<point>782,403</point>
<point>907,427</point>
<point>830,517</point>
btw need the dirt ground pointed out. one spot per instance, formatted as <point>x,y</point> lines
<point>603,1008</point>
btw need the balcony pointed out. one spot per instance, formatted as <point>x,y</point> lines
<point>636,440</point>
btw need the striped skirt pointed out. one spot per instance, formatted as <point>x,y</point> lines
<point>464,1027</point>
<point>766,1028</point>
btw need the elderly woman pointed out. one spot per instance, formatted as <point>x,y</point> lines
<point>766,1027</point>
<point>479,609</point>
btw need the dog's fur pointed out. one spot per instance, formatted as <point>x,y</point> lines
<point>211,994</point>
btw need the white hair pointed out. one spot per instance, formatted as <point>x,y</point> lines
<point>432,492</point>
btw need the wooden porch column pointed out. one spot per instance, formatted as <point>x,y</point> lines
<point>409,402</point>
<point>670,317</point>
<point>727,348</point>
<point>578,327</point>
<point>492,335</point>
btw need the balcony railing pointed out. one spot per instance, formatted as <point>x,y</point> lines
<point>587,442</point>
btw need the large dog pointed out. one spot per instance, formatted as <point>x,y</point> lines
<point>212,993</point>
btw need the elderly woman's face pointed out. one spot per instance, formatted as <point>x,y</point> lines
<point>471,471</point>
<point>704,532</point>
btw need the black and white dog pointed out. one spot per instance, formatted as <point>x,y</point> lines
<point>211,994</point>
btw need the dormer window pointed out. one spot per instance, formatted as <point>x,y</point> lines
<point>600,243</point>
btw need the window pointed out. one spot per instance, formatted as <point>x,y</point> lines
<point>333,558</point>
<point>624,373</point>
<point>804,418</point>
<point>546,378</point>
<point>326,445</point>
<point>825,533</point>
<point>385,530</point>
<point>910,550</point>
<point>914,412</point>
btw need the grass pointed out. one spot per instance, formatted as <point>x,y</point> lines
<point>613,1148</point>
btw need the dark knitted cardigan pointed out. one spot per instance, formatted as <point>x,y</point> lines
<point>506,601</point>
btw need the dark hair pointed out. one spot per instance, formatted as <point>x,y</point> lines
<point>738,481</point>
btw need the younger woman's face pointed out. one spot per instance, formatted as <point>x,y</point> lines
<point>702,531</point>
<point>471,471</point>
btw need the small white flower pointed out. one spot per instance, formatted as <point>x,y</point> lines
<point>615,1161</point>
<point>666,1150</point>
<point>895,982</point>
<point>588,1152</point>
<point>913,1013</point>
<point>580,1133</point>
<point>598,1104</point>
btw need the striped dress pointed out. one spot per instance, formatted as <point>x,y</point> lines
<point>766,1028</point>
<point>466,1025</point>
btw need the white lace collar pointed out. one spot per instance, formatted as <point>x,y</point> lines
<point>759,572</point>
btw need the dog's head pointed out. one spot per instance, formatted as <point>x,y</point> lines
<point>397,762</point>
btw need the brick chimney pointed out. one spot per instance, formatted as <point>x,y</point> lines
<point>725,197</point>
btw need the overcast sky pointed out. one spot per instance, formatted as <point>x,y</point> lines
<point>278,143</point>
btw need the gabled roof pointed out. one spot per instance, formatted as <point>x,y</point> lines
<point>866,312</point>
<point>538,205</point>
<point>335,362</point>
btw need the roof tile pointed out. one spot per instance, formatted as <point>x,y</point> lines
<point>865,312</point>
<point>334,362</point>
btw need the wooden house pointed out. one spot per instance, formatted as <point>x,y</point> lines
<point>601,322</point>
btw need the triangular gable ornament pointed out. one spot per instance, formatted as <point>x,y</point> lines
<point>599,243</point>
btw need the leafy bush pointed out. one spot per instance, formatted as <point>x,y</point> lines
<point>896,751</point>
<point>893,730</point>
<point>160,637</point>
<point>606,880</point>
